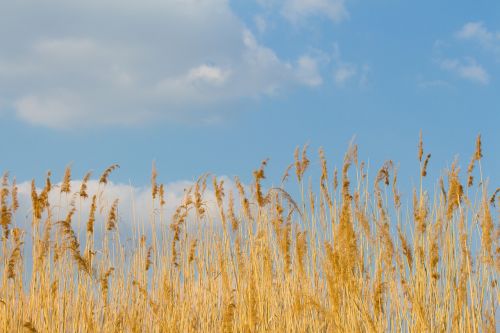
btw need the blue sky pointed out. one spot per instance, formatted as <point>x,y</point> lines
<point>217,86</point>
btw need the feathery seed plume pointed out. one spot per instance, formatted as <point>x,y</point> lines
<point>105,175</point>
<point>65,185</point>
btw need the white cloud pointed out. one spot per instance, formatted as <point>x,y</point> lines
<point>57,111</point>
<point>135,206</point>
<point>346,71</point>
<point>68,64</point>
<point>198,84</point>
<point>307,71</point>
<point>468,69</point>
<point>210,74</point>
<point>476,31</point>
<point>296,10</point>
<point>260,23</point>
<point>343,73</point>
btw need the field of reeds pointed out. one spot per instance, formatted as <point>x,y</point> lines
<point>349,256</point>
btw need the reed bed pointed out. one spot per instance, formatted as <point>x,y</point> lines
<point>349,256</point>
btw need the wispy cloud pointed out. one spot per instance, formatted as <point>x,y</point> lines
<point>467,66</point>
<point>344,73</point>
<point>308,71</point>
<point>477,32</point>
<point>467,69</point>
<point>296,10</point>
<point>260,23</point>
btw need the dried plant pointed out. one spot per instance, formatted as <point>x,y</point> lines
<point>105,175</point>
<point>346,256</point>
<point>83,186</point>
<point>66,183</point>
<point>154,185</point>
<point>112,216</point>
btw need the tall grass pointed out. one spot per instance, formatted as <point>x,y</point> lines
<point>347,257</point>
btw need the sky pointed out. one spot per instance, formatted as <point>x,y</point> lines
<point>217,86</point>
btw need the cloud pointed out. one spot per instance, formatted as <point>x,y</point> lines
<point>70,64</point>
<point>307,71</point>
<point>476,31</point>
<point>467,69</point>
<point>135,205</point>
<point>198,84</point>
<point>260,23</point>
<point>346,71</point>
<point>56,111</point>
<point>297,10</point>
<point>343,73</point>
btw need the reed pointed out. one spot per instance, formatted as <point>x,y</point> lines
<point>349,256</point>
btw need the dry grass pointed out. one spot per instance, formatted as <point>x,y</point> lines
<point>349,257</point>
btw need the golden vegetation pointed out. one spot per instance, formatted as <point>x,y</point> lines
<point>350,257</point>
